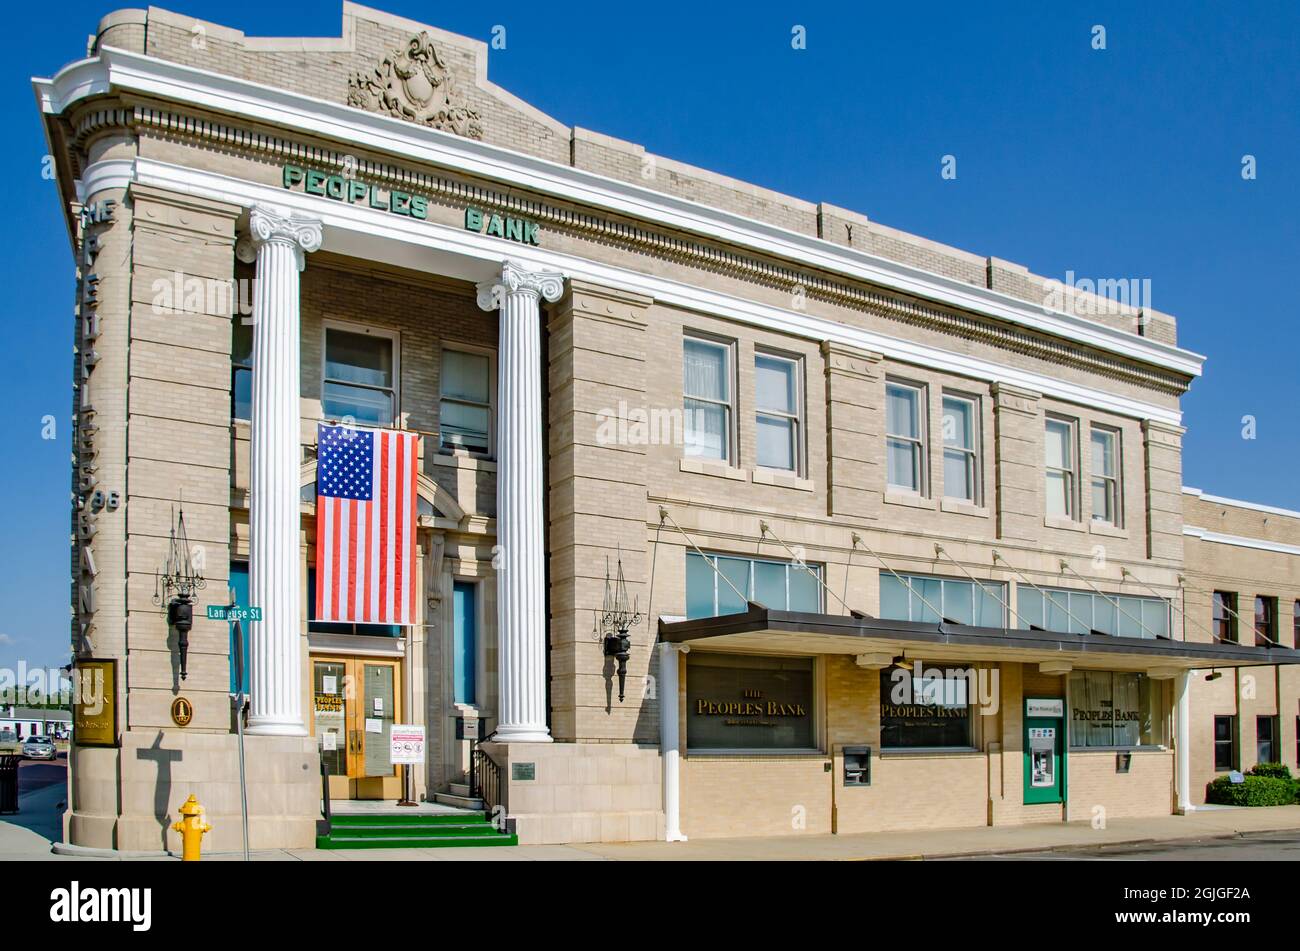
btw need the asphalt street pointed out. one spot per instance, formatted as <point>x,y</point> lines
<point>1246,847</point>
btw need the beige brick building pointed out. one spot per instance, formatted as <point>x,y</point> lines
<point>904,525</point>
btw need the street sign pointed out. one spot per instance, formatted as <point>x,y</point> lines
<point>233,612</point>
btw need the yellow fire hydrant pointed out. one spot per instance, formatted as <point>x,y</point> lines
<point>191,827</point>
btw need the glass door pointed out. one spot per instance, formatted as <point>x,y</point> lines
<point>330,718</point>
<point>355,703</point>
<point>377,712</point>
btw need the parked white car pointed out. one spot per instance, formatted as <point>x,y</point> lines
<point>38,747</point>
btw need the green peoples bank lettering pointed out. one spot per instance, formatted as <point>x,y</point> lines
<point>342,188</point>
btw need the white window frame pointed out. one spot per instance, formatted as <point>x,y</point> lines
<point>457,347</point>
<point>920,441</point>
<point>1116,481</point>
<point>731,405</point>
<point>1072,443</point>
<point>974,454</point>
<point>395,340</point>
<point>797,418</point>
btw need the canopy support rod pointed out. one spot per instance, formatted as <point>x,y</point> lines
<point>798,562</point>
<point>1047,594</point>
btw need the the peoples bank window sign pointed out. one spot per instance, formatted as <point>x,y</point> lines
<point>737,702</point>
<point>349,190</point>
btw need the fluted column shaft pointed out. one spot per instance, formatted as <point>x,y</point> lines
<point>521,575</point>
<point>277,243</point>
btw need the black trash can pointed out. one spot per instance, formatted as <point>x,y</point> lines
<point>9,782</point>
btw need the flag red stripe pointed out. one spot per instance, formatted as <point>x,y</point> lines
<point>320,543</point>
<point>334,558</point>
<point>365,560</point>
<point>381,500</point>
<point>415,474</point>
<point>399,533</point>
<point>352,560</point>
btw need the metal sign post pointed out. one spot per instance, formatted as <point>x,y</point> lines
<point>238,700</point>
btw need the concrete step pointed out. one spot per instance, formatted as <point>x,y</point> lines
<point>463,802</point>
<point>460,789</point>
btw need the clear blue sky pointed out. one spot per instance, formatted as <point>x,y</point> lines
<point>1117,163</point>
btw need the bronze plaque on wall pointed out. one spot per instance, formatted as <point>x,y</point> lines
<point>94,703</point>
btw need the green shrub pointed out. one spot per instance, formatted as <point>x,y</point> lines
<point>1254,791</point>
<point>1272,770</point>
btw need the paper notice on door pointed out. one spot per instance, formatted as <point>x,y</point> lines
<point>379,704</point>
<point>329,684</point>
<point>374,726</point>
<point>329,741</point>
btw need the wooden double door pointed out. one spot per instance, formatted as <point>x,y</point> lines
<point>355,702</point>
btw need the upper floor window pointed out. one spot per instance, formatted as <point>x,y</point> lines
<point>917,598</point>
<point>465,403</point>
<point>708,398</point>
<point>777,411</point>
<point>360,379</point>
<point>778,585</point>
<point>1084,612</point>
<point>1265,621</point>
<point>1061,468</point>
<point>905,436</point>
<point>241,369</point>
<point>1105,475</point>
<point>961,448</point>
<point>1224,615</point>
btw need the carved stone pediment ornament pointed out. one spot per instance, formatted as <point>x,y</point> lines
<point>415,84</point>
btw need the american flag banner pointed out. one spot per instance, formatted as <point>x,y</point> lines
<point>365,525</point>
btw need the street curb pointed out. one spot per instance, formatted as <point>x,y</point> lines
<point>1068,847</point>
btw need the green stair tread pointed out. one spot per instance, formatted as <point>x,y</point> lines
<point>449,818</point>
<point>417,842</point>
<point>355,832</point>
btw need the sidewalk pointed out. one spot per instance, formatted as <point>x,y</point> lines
<point>19,840</point>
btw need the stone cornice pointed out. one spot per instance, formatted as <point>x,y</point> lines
<point>171,122</point>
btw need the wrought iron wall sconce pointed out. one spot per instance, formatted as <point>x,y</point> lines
<point>176,584</point>
<point>611,624</point>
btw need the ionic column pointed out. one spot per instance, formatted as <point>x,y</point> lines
<point>276,242</point>
<point>521,578</point>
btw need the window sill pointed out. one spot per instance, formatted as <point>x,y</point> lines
<point>1106,528</point>
<point>726,754</point>
<point>924,751</point>
<point>466,461</point>
<point>910,499</point>
<point>713,467</point>
<point>958,507</point>
<point>784,480</point>
<point>1065,524</point>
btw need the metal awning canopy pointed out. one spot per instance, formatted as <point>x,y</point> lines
<point>760,629</point>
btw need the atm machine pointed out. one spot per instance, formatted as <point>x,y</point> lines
<point>1044,746</point>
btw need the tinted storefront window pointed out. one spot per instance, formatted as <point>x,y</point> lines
<point>1115,709</point>
<point>932,711</point>
<point>735,702</point>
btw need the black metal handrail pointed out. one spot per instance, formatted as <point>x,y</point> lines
<point>484,777</point>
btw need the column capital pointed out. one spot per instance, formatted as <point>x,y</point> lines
<point>516,279</point>
<point>267,225</point>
